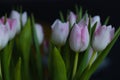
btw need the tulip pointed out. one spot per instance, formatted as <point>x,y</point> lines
<point>60,32</point>
<point>72,18</point>
<point>23,17</point>
<point>16,15</point>
<point>39,33</point>
<point>3,36</point>
<point>79,38</point>
<point>102,37</point>
<point>11,26</point>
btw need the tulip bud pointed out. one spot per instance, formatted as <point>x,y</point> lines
<point>79,38</point>
<point>102,37</point>
<point>3,36</point>
<point>16,15</point>
<point>72,18</point>
<point>60,32</point>
<point>39,33</point>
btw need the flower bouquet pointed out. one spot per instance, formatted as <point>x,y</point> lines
<point>77,46</point>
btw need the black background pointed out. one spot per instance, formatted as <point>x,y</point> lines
<point>48,11</point>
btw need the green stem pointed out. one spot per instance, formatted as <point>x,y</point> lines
<point>75,65</point>
<point>92,58</point>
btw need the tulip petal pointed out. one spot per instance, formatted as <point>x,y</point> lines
<point>75,39</point>
<point>84,38</point>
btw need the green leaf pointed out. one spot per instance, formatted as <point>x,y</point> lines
<point>61,16</point>
<point>106,21</point>
<point>89,26</point>
<point>79,15</point>
<point>38,55</point>
<point>65,52</point>
<point>88,72</point>
<point>58,66</point>
<point>93,30</point>
<point>5,61</point>
<point>23,42</point>
<point>17,70</point>
<point>76,9</point>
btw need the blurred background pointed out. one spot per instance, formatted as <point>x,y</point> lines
<point>46,11</point>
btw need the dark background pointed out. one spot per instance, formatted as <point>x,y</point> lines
<point>48,10</point>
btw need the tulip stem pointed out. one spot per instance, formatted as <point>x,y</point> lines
<point>92,58</point>
<point>75,65</point>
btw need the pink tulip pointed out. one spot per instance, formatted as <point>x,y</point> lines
<point>60,32</point>
<point>11,25</point>
<point>19,17</point>
<point>72,18</point>
<point>79,38</point>
<point>16,15</point>
<point>102,37</point>
<point>39,33</point>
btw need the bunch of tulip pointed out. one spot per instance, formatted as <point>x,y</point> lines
<point>75,50</point>
<point>79,45</point>
<point>20,38</point>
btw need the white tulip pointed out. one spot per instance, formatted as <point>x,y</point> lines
<point>102,37</point>
<point>60,32</point>
<point>39,33</point>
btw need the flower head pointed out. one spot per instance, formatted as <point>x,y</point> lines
<point>60,32</point>
<point>79,38</point>
<point>24,18</point>
<point>19,18</point>
<point>39,33</point>
<point>15,15</point>
<point>102,37</point>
